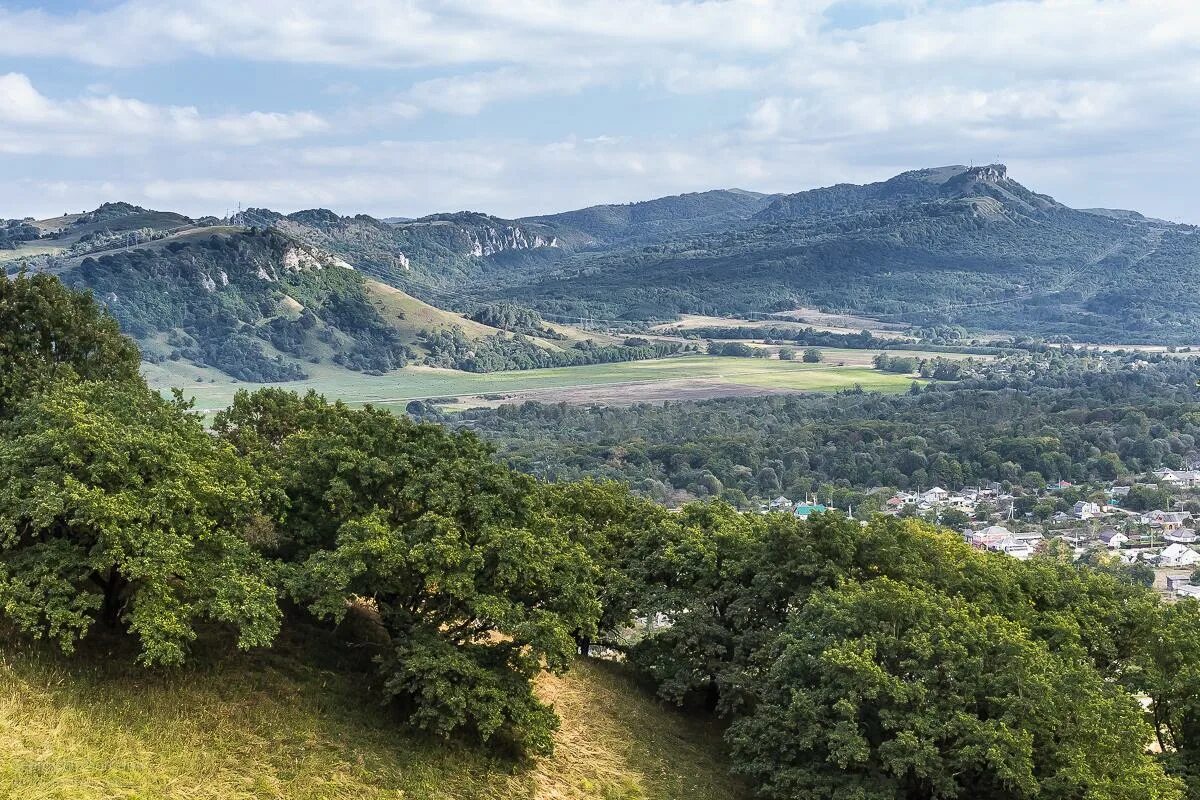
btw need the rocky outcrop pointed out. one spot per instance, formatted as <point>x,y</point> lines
<point>491,240</point>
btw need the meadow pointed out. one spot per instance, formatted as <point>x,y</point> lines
<point>277,726</point>
<point>689,377</point>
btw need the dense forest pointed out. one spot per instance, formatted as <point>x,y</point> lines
<point>1028,421</point>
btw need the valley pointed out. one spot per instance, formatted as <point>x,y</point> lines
<point>616,304</point>
<point>627,383</point>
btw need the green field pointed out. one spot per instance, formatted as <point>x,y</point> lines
<point>636,380</point>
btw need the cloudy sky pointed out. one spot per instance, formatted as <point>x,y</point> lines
<point>407,107</point>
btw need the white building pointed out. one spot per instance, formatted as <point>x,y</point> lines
<point>1113,538</point>
<point>1178,555</point>
<point>935,495</point>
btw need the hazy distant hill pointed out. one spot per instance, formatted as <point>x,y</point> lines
<point>652,219</point>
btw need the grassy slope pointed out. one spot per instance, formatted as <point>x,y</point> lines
<point>251,727</point>
<point>410,316</point>
<point>401,386</point>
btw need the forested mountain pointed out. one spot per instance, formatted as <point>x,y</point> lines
<point>957,245</point>
<point>240,301</point>
<point>654,219</point>
<point>960,245</point>
<point>261,297</point>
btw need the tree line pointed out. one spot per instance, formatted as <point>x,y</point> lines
<point>451,348</point>
<point>1027,421</point>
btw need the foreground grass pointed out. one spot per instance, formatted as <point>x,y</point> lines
<point>274,725</point>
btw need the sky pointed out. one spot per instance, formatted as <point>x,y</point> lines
<point>517,107</point>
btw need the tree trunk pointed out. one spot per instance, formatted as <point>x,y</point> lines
<point>584,644</point>
<point>114,591</point>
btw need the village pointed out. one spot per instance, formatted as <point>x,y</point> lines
<point>1149,525</point>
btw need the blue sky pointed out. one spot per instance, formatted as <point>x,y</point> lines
<point>408,107</point>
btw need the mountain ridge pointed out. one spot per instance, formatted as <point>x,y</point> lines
<point>957,245</point>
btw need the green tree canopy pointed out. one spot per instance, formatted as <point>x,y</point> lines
<point>117,505</point>
<point>49,332</point>
<point>894,692</point>
<point>478,587</point>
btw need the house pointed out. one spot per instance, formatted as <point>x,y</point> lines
<point>805,510</point>
<point>1187,590</point>
<point>1086,510</point>
<point>1166,520</point>
<point>935,495</point>
<point>1184,478</point>
<point>1182,536</point>
<point>961,502</point>
<point>1178,555</point>
<point>1064,484</point>
<point>986,538</point>
<point>1113,538</point>
<point>1012,546</point>
<point>781,503</point>
<point>1119,491</point>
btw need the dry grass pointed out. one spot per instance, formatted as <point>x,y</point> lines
<point>272,726</point>
<point>618,743</point>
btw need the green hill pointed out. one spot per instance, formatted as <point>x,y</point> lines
<point>952,245</point>
<point>256,303</point>
<point>274,726</point>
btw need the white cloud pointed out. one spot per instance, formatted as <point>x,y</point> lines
<point>469,94</point>
<point>94,124</point>
<point>415,32</point>
<point>1100,99</point>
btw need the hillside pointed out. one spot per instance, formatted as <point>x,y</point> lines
<point>953,245</point>
<point>274,725</point>
<point>436,251</point>
<point>260,303</point>
<point>654,219</point>
<point>959,245</point>
<point>250,303</point>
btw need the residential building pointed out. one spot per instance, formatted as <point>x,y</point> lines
<point>1113,538</point>
<point>1182,536</point>
<point>1178,555</point>
<point>805,510</point>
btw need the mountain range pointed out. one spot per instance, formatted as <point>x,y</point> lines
<point>261,294</point>
<point>953,245</point>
